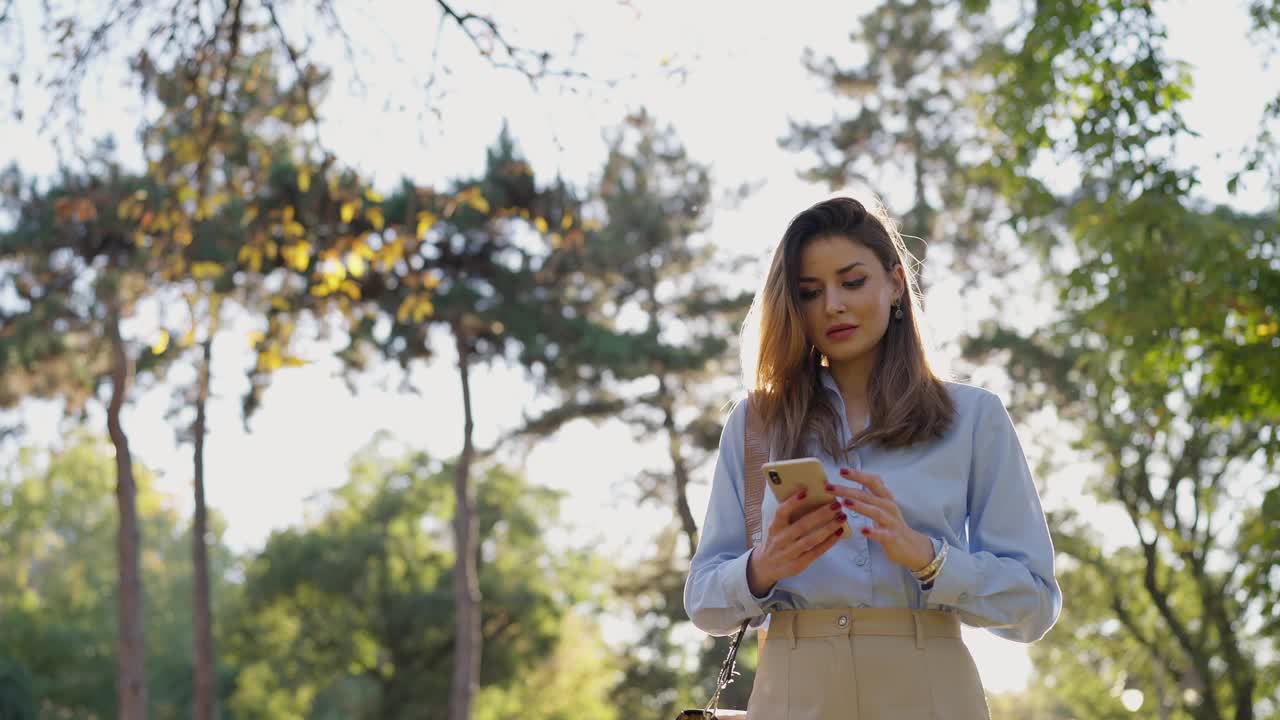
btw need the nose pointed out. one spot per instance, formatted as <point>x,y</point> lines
<point>835,305</point>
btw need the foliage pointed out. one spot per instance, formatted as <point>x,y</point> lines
<point>58,591</point>
<point>352,615</point>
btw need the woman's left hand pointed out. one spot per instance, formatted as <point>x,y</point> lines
<point>902,544</point>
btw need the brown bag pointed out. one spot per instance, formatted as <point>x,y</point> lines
<point>755,453</point>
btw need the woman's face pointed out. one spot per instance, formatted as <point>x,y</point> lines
<point>845,297</point>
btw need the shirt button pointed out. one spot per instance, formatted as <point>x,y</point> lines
<point>862,560</point>
<point>844,620</point>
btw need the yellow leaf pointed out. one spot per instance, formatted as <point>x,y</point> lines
<point>351,289</point>
<point>294,229</point>
<point>374,215</point>
<point>425,221</point>
<point>189,338</point>
<point>182,236</point>
<point>390,254</point>
<point>540,224</point>
<point>477,201</point>
<point>293,361</point>
<point>361,248</point>
<point>161,344</point>
<point>249,216</point>
<point>320,290</point>
<point>297,255</point>
<point>252,257</point>
<point>348,211</point>
<point>270,359</point>
<point>205,269</point>
<point>406,307</point>
<point>430,281</point>
<point>355,265</point>
<point>422,309</point>
<point>256,337</point>
<point>304,180</point>
<point>279,303</point>
<point>372,195</point>
<point>288,214</point>
<point>556,240</point>
<point>566,222</point>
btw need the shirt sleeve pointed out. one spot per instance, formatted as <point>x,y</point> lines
<point>717,597</point>
<point>1005,581</point>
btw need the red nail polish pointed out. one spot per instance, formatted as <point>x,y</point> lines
<point>803,493</point>
<point>835,505</point>
<point>844,471</point>
<point>847,502</point>
<point>866,532</point>
<point>839,531</point>
<point>830,487</point>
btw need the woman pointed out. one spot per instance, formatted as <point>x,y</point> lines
<point>947,523</point>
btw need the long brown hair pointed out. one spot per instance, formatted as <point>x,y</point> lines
<point>908,401</point>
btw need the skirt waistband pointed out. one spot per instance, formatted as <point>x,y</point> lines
<point>864,621</point>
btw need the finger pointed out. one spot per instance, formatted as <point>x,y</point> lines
<point>876,512</point>
<point>871,482</point>
<point>863,499</point>
<point>803,542</point>
<point>782,517</point>
<point>877,533</point>
<point>843,491</point>
<point>806,558</point>
<point>812,521</point>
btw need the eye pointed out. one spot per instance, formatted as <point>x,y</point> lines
<point>808,294</point>
<point>856,283</point>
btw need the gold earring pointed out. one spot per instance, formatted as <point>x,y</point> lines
<point>897,307</point>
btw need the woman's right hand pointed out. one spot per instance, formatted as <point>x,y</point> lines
<point>792,543</point>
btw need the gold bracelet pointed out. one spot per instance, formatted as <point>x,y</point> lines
<point>928,580</point>
<point>933,564</point>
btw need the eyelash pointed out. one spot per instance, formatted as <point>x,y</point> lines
<point>852,285</point>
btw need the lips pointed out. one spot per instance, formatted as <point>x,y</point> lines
<point>841,329</point>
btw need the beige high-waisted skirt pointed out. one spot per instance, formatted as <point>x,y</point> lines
<point>866,664</point>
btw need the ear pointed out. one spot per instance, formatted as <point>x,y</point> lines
<point>898,277</point>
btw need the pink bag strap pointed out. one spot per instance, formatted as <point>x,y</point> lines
<point>755,452</point>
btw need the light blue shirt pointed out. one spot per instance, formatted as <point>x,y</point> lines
<point>971,488</point>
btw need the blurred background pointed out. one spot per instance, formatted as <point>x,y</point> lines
<point>369,359</point>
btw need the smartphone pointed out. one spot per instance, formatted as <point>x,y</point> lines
<point>788,477</point>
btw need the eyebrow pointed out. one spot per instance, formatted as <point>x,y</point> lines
<point>841,271</point>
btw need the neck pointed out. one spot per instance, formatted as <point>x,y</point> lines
<point>853,376</point>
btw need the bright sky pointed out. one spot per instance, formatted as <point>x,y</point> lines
<point>744,81</point>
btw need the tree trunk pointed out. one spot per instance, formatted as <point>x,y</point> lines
<point>679,468</point>
<point>204,703</point>
<point>466,583</point>
<point>131,685</point>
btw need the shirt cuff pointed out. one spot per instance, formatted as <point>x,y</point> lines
<point>956,581</point>
<point>736,574</point>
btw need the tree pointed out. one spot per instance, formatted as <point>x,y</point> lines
<point>58,521</point>
<point>651,264</point>
<point>489,271</point>
<point>912,112</point>
<point>353,616</point>
<point>1157,356</point>
<point>71,260</point>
